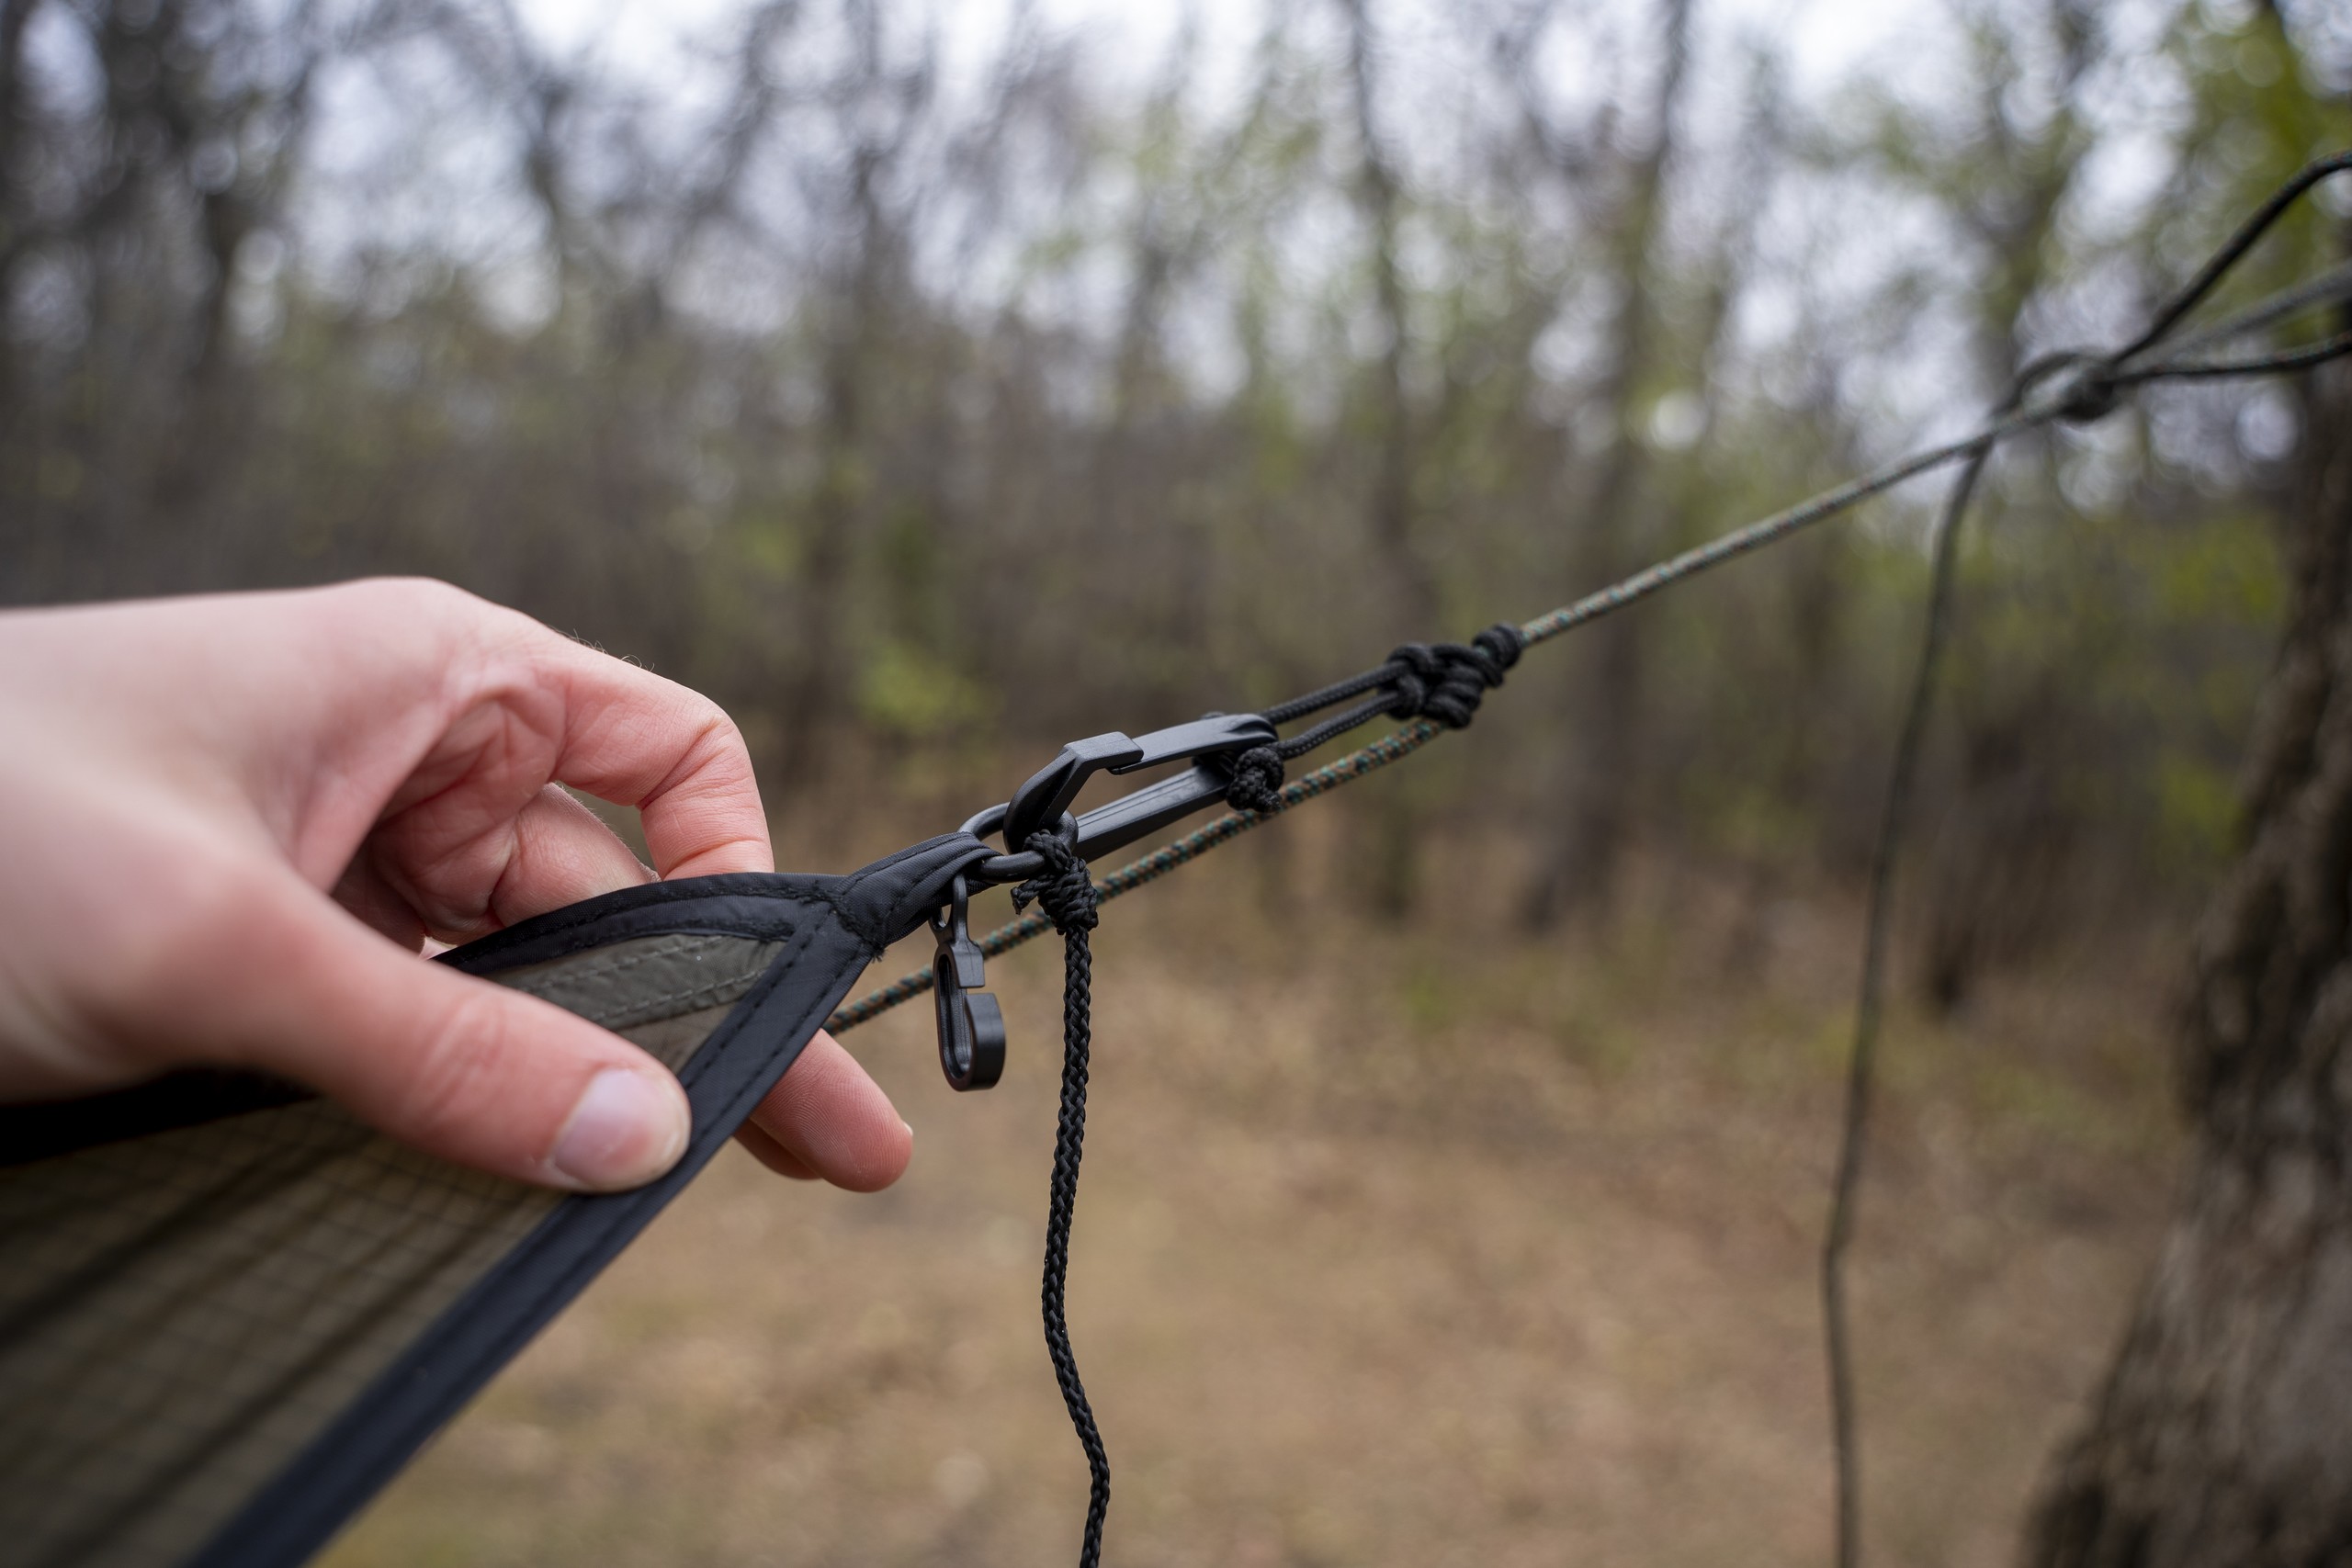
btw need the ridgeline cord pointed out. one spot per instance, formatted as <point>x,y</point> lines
<point>1439,688</point>
<point>1860,1063</point>
<point>1066,894</point>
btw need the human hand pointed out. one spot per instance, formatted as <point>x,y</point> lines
<point>210,801</point>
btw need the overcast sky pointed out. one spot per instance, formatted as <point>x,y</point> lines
<point>1825,38</point>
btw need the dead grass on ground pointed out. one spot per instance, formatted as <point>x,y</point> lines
<point>1420,1247</point>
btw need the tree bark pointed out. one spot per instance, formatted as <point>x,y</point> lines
<point>2224,1433</point>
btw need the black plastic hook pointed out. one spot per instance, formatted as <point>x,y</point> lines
<point>971,1025</point>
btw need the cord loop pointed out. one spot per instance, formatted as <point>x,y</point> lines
<point>1067,895</point>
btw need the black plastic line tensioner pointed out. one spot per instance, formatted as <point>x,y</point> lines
<point>972,1024</point>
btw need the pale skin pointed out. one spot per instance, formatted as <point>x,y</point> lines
<point>230,823</point>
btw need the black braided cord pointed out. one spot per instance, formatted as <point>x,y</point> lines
<point>1066,892</point>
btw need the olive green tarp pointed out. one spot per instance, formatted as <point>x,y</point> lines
<point>229,1311</point>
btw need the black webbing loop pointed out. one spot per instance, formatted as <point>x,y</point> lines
<point>1066,893</point>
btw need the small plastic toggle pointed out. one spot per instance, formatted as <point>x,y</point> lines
<point>971,1025</point>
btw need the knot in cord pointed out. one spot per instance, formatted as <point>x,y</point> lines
<point>1257,781</point>
<point>1065,890</point>
<point>2089,386</point>
<point>2094,395</point>
<point>1447,682</point>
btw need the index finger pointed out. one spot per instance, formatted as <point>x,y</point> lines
<point>635,738</point>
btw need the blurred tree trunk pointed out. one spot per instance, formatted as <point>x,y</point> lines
<point>213,427</point>
<point>1392,861</point>
<point>2000,852</point>
<point>815,691</point>
<point>1139,463</point>
<point>817,695</point>
<point>1577,868</point>
<point>2224,1433</point>
<point>17,214</point>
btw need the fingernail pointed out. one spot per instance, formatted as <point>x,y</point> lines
<point>626,1129</point>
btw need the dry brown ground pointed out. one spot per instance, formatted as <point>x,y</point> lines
<point>1416,1247</point>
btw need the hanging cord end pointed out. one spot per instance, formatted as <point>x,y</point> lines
<point>1066,894</point>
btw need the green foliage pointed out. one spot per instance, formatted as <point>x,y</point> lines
<point>912,695</point>
<point>2197,812</point>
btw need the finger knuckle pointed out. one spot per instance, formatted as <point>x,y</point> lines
<point>464,1054</point>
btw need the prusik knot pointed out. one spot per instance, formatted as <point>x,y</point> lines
<point>1065,889</point>
<point>1257,783</point>
<point>1446,681</point>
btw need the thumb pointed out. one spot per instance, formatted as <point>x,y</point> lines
<point>456,1066</point>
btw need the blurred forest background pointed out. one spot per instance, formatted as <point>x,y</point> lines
<point>933,384</point>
